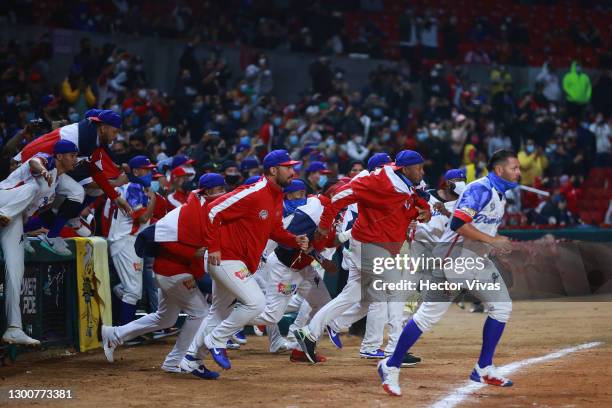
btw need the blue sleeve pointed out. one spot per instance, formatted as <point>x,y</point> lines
<point>301,224</point>
<point>474,199</point>
<point>135,196</point>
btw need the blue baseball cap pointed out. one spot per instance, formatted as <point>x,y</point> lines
<point>296,185</point>
<point>65,146</point>
<point>92,112</point>
<point>317,166</point>
<point>454,174</point>
<point>180,160</point>
<point>140,162</point>
<point>210,180</point>
<point>378,160</point>
<point>242,147</point>
<point>408,158</point>
<point>251,180</point>
<point>278,158</point>
<point>249,163</point>
<point>108,117</point>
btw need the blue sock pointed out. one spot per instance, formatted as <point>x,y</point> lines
<point>56,227</point>
<point>127,313</point>
<point>491,333</point>
<point>409,336</point>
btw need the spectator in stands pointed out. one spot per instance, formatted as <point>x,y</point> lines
<point>356,149</point>
<point>428,35</point>
<point>477,57</point>
<point>500,79</point>
<point>603,136</point>
<point>409,38</point>
<point>577,87</point>
<point>315,177</point>
<point>76,92</point>
<point>532,161</point>
<point>451,38</point>
<point>550,83</point>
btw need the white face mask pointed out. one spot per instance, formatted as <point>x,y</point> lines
<point>459,187</point>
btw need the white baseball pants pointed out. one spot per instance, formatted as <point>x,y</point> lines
<point>129,268</point>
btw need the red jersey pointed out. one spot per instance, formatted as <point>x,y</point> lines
<point>242,221</point>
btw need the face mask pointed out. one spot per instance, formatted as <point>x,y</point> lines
<point>435,132</point>
<point>73,117</point>
<point>552,147</point>
<point>236,114</point>
<point>293,140</point>
<point>262,61</point>
<point>155,186</point>
<point>422,136</point>
<point>10,99</point>
<point>142,94</point>
<point>122,65</point>
<point>289,206</point>
<point>530,149</point>
<point>232,179</point>
<point>146,179</point>
<point>386,137</point>
<point>330,142</point>
<point>394,127</point>
<point>359,139</point>
<point>277,121</point>
<point>459,187</point>
<point>197,106</point>
<point>245,140</point>
<point>244,88</point>
<point>116,108</point>
<point>322,180</point>
<point>377,112</point>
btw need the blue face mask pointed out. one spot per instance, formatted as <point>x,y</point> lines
<point>293,140</point>
<point>322,180</point>
<point>394,127</point>
<point>501,184</point>
<point>529,148</point>
<point>146,179</point>
<point>245,140</point>
<point>377,112</point>
<point>244,88</point>
<point>422,136</point>
<point>289,206</point>
<point>155,186</point>
<point>277,121</point>
<point>236,114</point>
<point>73,117</point>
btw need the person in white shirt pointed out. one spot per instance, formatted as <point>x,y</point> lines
<point>27,189</point>
<point>603,147</point>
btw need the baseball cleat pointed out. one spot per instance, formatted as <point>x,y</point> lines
<point>477,308</point>
<point>279,345</point>
<point>259,330</point>
<point>57,245</point>
<point>334,337</point>
<point>489,375</point>
<point>136,341</point>
<point>190,364</point>
<point>378,354</point>
<point>15,335</point>
<point>307,345</point>
<point>231,345</point>
<point>108,343</point>
<point>390,378</point>
<point>298,356</point>
<point>220,357</point>
<point>239,337</point>
<point>410,360</point>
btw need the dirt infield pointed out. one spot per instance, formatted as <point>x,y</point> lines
<point>580,379</point>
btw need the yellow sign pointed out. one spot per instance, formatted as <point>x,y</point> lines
<point>93,290</point>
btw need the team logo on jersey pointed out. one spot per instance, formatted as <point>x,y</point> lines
<point>263,214</point>
<point>286,289</point>
<point>468,211</point>
<point>242,274</point>
<point>138,266</point>
<point>189,284</point>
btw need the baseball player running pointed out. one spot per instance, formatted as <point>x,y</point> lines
<point>241,223</point>
<point>180,237</point>
<point>471,232</point>
<point>92,136</point>
<point>122,235</point>
<point>387,204</point>
<point>29,188</point>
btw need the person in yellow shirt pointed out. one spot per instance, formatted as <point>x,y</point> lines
<point>474,162</point>
<point>532,161</point>
<point>77,93</point>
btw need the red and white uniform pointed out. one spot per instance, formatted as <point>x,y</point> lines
<point>175,200</point>
<point>386,206</point>
<point>179,234</point>
<point>241,222</point>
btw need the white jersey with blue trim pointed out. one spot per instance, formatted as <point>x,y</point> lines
<point>123,225</point>
<point>483,205</point>
<point>432,231</point>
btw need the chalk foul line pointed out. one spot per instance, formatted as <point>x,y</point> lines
<point>462,393</point>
